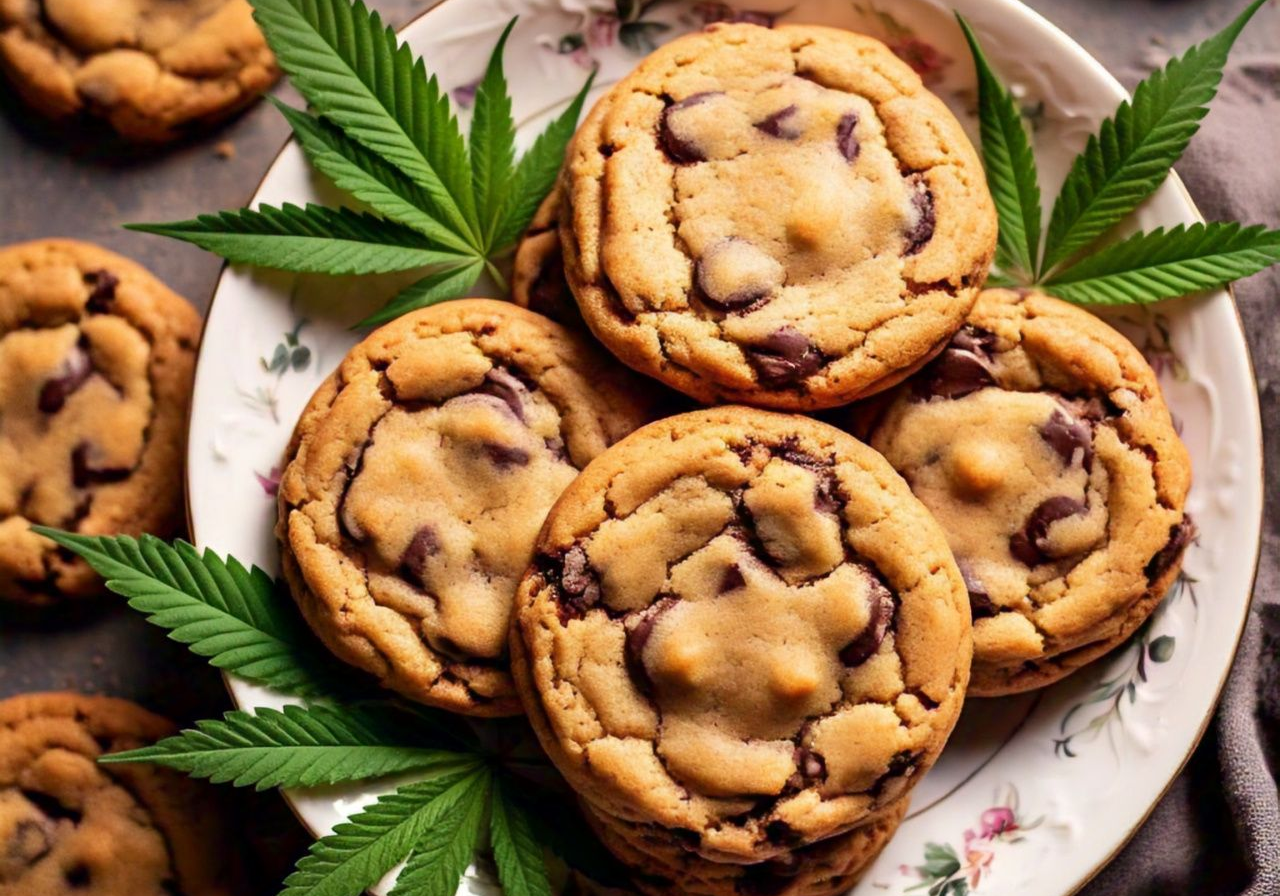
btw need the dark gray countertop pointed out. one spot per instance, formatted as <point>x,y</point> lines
<point>50,186</point>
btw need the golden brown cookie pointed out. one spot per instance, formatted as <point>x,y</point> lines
<point>1041,442</point>
<point>661,867</point>
<point>153,69</point>
<point>781,217</point>
<point>418,477</point>
<point>69,825</point>
<point>96,361</point>
<point>741,625</point>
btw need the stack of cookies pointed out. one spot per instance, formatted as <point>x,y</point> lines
<point>742,634</point>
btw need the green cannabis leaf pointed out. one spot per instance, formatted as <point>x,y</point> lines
<point>1166,264</point>
<point>243,622</point>
<point>314,239</point>
<point>363,849</point>
<point>234,617</point>
<point>1010,166</point>
<point>382,129</point>
<point>1134,151</point>
<point>300,747</point>
<point>1122,165</point>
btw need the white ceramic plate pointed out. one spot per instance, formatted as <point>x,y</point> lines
<point>1034,794</point>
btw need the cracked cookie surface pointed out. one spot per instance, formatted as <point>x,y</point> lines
<point>152,69</point>
<point>741,625</point>
<point>1041,442</point>
<point>782,217</point>
<point>96,362</point>
<point>662,867</point>
<point>418,477</point>
<point>69,825</point>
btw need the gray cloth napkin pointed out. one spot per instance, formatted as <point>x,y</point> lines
<point>1218,829</point>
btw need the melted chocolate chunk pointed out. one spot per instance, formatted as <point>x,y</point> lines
<point>636,640</point>
<point>955,373</point>
<point>1028,545</point>
<point>682,152</point>
<point>846,138</point>
<point>732,580</point>
<point>424,545</point>
<point>980,604</point>
<point>879,618</point>
<point>810,767</point>
<point>579,584</point>
<point>102,293</point>
<point>971,339</point>
<point>919,234</point>
<point>740,300</point>
<point>77,876</point>
<point>778,124</point>
<point>501,383</point>
<point>1071,439</point>
<point>83,475</point>
<point>1181,534</point>
<point>506,456</point>
<point>784,358</point>
<point>75,371</point>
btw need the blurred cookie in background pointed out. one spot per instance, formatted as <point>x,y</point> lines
<point>96,363</point>
<point>152,69</point>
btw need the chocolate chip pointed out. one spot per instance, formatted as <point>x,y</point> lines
<point>102,285</point>
<point>679,150</point>
<point>579,584</point>
<point>424,545</point>
<point>731,580</point>
<point>846,138</point>
<point>1181,534</point>
<point>735,277</point>
<point>1028,545</point>
<point>83,475</point>
<point>636,640</point>
<point>880,611</point>
<point>75,370</point>
<point>971,339</point>
<point>810,766</point>
<point>506,455</point>
<point>920,232</point>
<point>501,383</point>
<point>980,604</point>
<point>954,374</point>
<point>778,124</point>
<point>786,356</point>
<point>901,763</point>
<point>1070,438</point>
<point>555,445</point>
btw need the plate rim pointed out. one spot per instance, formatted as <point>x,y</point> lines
<point>1254,404</point>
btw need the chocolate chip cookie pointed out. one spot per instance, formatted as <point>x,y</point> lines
<point>96,361</point>
<point>826,868</point>
<point>417,480</point>
<point>69,825</point>
<point>153,69</point>
<point>537,277</point>
<point>1040,441</point>
<point>781,217</point>
<point>742,627</point>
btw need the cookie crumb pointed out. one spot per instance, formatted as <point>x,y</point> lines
<point>225,150</point>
